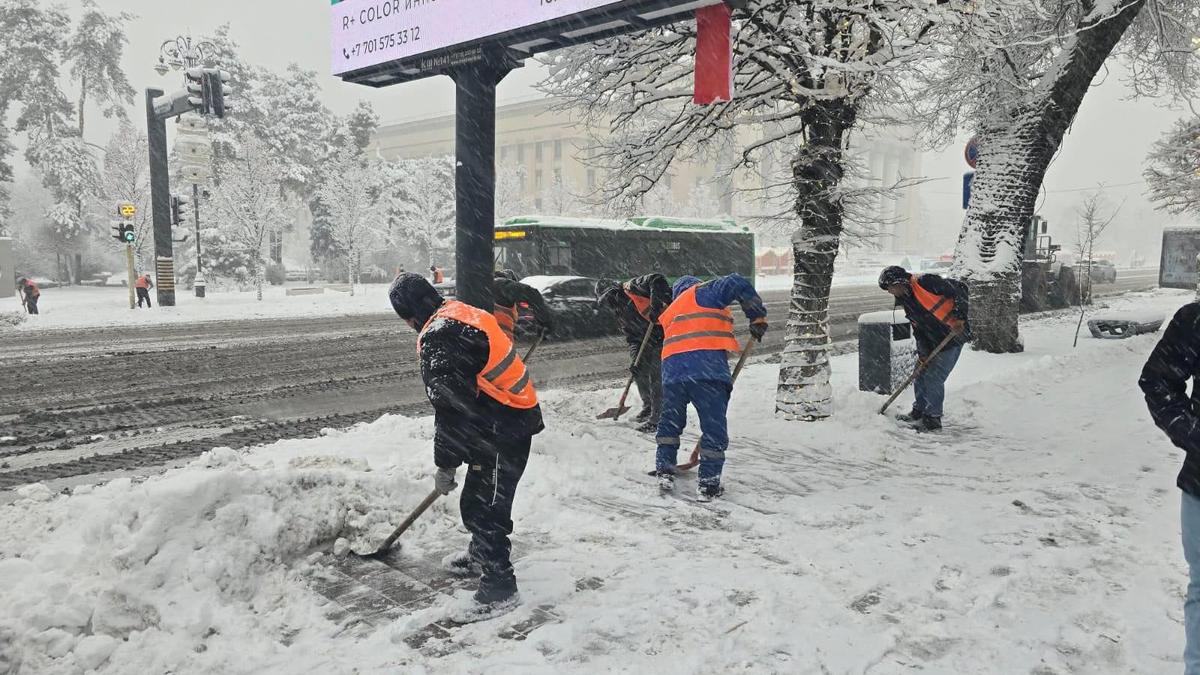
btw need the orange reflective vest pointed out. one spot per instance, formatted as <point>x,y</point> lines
<point>504,377</point>
<point>438,277</point>
<point>142,282</point>
<point>507,318</point>
<point>690,327</point>
<point>32,290</point>
<point>641,304</point>
<point>939,306</point>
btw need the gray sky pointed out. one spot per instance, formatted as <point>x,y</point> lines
<point>1107,144</point>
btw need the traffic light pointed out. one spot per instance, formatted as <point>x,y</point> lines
<point>216,89</point>
<point>124,233</point>
<point>178,204</point>
<point>196,79</point>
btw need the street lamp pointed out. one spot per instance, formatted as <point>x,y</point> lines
<point>181,53</point>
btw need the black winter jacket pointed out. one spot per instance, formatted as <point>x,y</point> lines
<point>467,421</point>
<point>508,293</point>
<point>1164,381</point>
<point>632,323</point>
<point>927,329</point>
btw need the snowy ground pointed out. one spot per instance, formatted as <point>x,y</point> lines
<point>78,307</point>
<point>1037,535</point>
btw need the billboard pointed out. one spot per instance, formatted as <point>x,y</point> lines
<point>1180,247</point>
<point>370,32</point>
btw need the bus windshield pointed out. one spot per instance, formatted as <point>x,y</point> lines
<point>518,256</point>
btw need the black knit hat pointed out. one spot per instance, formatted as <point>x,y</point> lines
<point>413,296</point>
<point>890,276</point>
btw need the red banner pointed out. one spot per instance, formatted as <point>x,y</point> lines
<point>714,55</point>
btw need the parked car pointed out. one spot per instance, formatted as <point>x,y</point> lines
<point>1103,271</point>
<point>573,301</point>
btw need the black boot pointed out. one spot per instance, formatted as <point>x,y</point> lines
<point>913,415</point>
<point>643,415</point>
<point>929,424</point>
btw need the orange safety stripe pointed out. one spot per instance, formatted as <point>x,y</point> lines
<point>939,306</point>
<point>504,377</point>
<point>690,327</point>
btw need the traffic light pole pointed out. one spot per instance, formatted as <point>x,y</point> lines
<point>198,284</point>
<point>130,272</point>
<point>160,203</point>
<point>475,178</point>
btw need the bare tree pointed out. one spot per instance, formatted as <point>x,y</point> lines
<point>250,203</point>
<point>1173,171</point>
<point>806,75</point>
<point>1017,76</point>
<point>1094,217</point>
<point>351,194</point>
<point>125,177</point>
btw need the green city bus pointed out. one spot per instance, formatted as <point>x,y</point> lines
<point>620,249</point>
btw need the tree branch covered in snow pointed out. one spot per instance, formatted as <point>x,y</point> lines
<point>1173,168</point>
<point>418,200</point>
<point>350,191</point>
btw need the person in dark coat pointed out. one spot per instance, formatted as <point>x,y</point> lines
<point>1164,381</point>
<point>509,294</point>
<point>485,416</point>
<point>637,304</point>
<point>698,338</point>
<point>30,294</point>
<point>935,311</point>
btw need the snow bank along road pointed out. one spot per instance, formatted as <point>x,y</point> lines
<point>1037,536</point>
<point>75,404</point>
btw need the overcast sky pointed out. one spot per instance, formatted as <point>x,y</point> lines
<point>1107,144</point>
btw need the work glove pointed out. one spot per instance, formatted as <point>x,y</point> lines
<point>443,481</point>
<point>758,328</point>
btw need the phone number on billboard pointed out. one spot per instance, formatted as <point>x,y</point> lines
<point>389,41</point>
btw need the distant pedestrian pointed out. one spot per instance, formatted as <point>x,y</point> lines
<point>435,274</point>
<point>936,308</point>
<point>143,286</point>
<point>1164,381</point>
<point>30,294</point>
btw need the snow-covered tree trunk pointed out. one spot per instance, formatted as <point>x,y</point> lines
<point>352,264</point>
<point>1015,152</point>
<point>260,265</point>
<point>804,391</point>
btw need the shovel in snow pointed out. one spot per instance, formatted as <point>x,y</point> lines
<point>741,363</point>
<point>382,551</point>
<point>621,409</point>
<point>918,370</point>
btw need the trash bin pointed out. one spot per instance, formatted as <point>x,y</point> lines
<point>199,287</point>
<point>887,353</point>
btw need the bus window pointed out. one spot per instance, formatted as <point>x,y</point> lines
<point>518,256</point>
<point>558,258</point>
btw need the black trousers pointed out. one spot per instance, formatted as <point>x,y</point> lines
<point>31,304</point>
<point>487,500</point>
<point>647,375</point>
<point>144,294</point>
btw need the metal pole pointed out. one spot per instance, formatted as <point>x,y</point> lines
<point>130,273</point>
<point>198,284</point>
<point>160,202</point>
<point>475,178</point>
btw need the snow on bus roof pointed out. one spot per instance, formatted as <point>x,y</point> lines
<point>638,223</point>
<point>1181,228</point>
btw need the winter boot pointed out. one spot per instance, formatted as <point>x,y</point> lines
<point>483,606</point>
<point>929,424</point>
<point>666,481</point>
<point>461,565</point>
<point>706,492</point>
<point>647,427</point>
<point>643,415</point>
<point>912,416</point>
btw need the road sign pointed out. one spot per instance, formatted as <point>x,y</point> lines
<point>968,178</point>
<point>383,42</point>
<point>971,152</point>
<point>127,210</point>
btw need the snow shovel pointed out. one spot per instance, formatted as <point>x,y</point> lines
<point>532,348</point>
<point>918,370</point>
<point>382,551</point>
<point>615,413</point>
<point>695,458</point>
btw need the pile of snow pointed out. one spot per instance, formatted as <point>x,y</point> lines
<point>1037,535</point>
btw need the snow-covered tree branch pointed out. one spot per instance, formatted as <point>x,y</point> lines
<point>1173,168</point>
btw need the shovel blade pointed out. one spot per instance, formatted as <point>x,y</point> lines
<point>613,413</point>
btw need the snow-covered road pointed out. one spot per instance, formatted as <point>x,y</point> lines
<point>1037,535</point>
